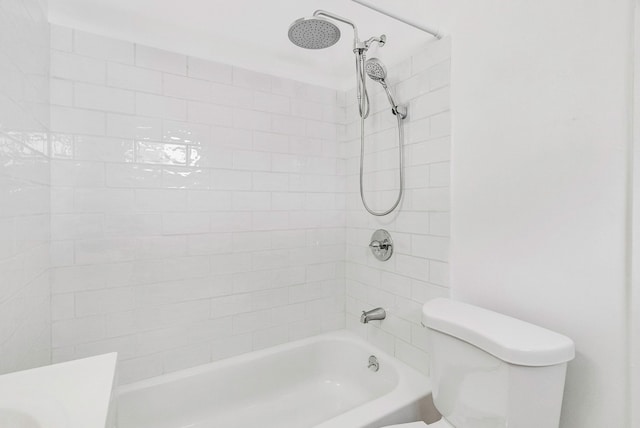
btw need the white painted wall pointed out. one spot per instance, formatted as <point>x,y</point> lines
<point>634,300</point>
<point>540,95</point>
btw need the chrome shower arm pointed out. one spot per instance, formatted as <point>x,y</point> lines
<point>356,40</point>
<point>380,40</point>
<point>321,12</point>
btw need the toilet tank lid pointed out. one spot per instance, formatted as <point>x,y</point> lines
<point>509,339</point>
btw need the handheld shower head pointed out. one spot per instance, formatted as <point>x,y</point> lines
<point>314,33</point>
<point>378,72</point>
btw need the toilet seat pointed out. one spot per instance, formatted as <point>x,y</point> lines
<point>442,423</point>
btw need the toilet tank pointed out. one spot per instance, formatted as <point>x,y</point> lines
<point>492,371</point>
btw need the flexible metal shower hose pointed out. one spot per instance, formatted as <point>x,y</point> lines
<point>400,162</point>
<point>363,107</point>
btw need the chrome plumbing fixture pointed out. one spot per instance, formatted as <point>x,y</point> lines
<point>378,73</point>
<point>314,33</point>
<point>374,365</point>
<point>373,314</point>
<point>381,245</point>
<point>317,32</point>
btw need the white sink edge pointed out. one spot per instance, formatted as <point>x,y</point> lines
<point>77,392</point>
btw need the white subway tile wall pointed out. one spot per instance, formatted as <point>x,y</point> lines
<point>198,211</point>
<point>198,208</point>
<point>25,317</point>
<point>418,270</point>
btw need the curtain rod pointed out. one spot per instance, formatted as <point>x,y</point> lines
<point>433,32</point>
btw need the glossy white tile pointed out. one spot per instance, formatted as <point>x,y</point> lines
<point>95,46</point>
<point>208,70</point>
<point>65,65</point>
<point>161,60</point>
<point>190,196</point>
<point>162,107</point>
<point>77,121</point>
<point>186,88</point>
<point>94,97</point>
<point>133,127</point>
<point>134,78</point>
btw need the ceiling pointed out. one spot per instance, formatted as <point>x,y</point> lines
<point>253,34</point>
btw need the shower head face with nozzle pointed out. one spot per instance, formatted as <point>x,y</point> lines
<point>313,33</point>
<point>376,70</point>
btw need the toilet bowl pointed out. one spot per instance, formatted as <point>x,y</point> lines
<point>491,370</point>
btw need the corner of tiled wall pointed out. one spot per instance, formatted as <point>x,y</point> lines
<point>198,211</point>
<point>418,270</point>
<point>25,322</point>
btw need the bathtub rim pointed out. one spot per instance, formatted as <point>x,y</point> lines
<point>411,386</point>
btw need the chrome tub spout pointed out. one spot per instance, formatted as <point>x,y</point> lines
<point>373,314</point>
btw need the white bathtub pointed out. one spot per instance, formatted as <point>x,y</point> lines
<point>320,382</point>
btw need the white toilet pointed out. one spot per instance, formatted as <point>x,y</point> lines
<point>492,371</point>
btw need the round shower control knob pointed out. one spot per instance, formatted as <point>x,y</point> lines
<point>381,245</point>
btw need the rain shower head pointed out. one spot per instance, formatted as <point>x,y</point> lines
<point>376,70</point>
<point>314,33</point>
<point>317,32</point>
